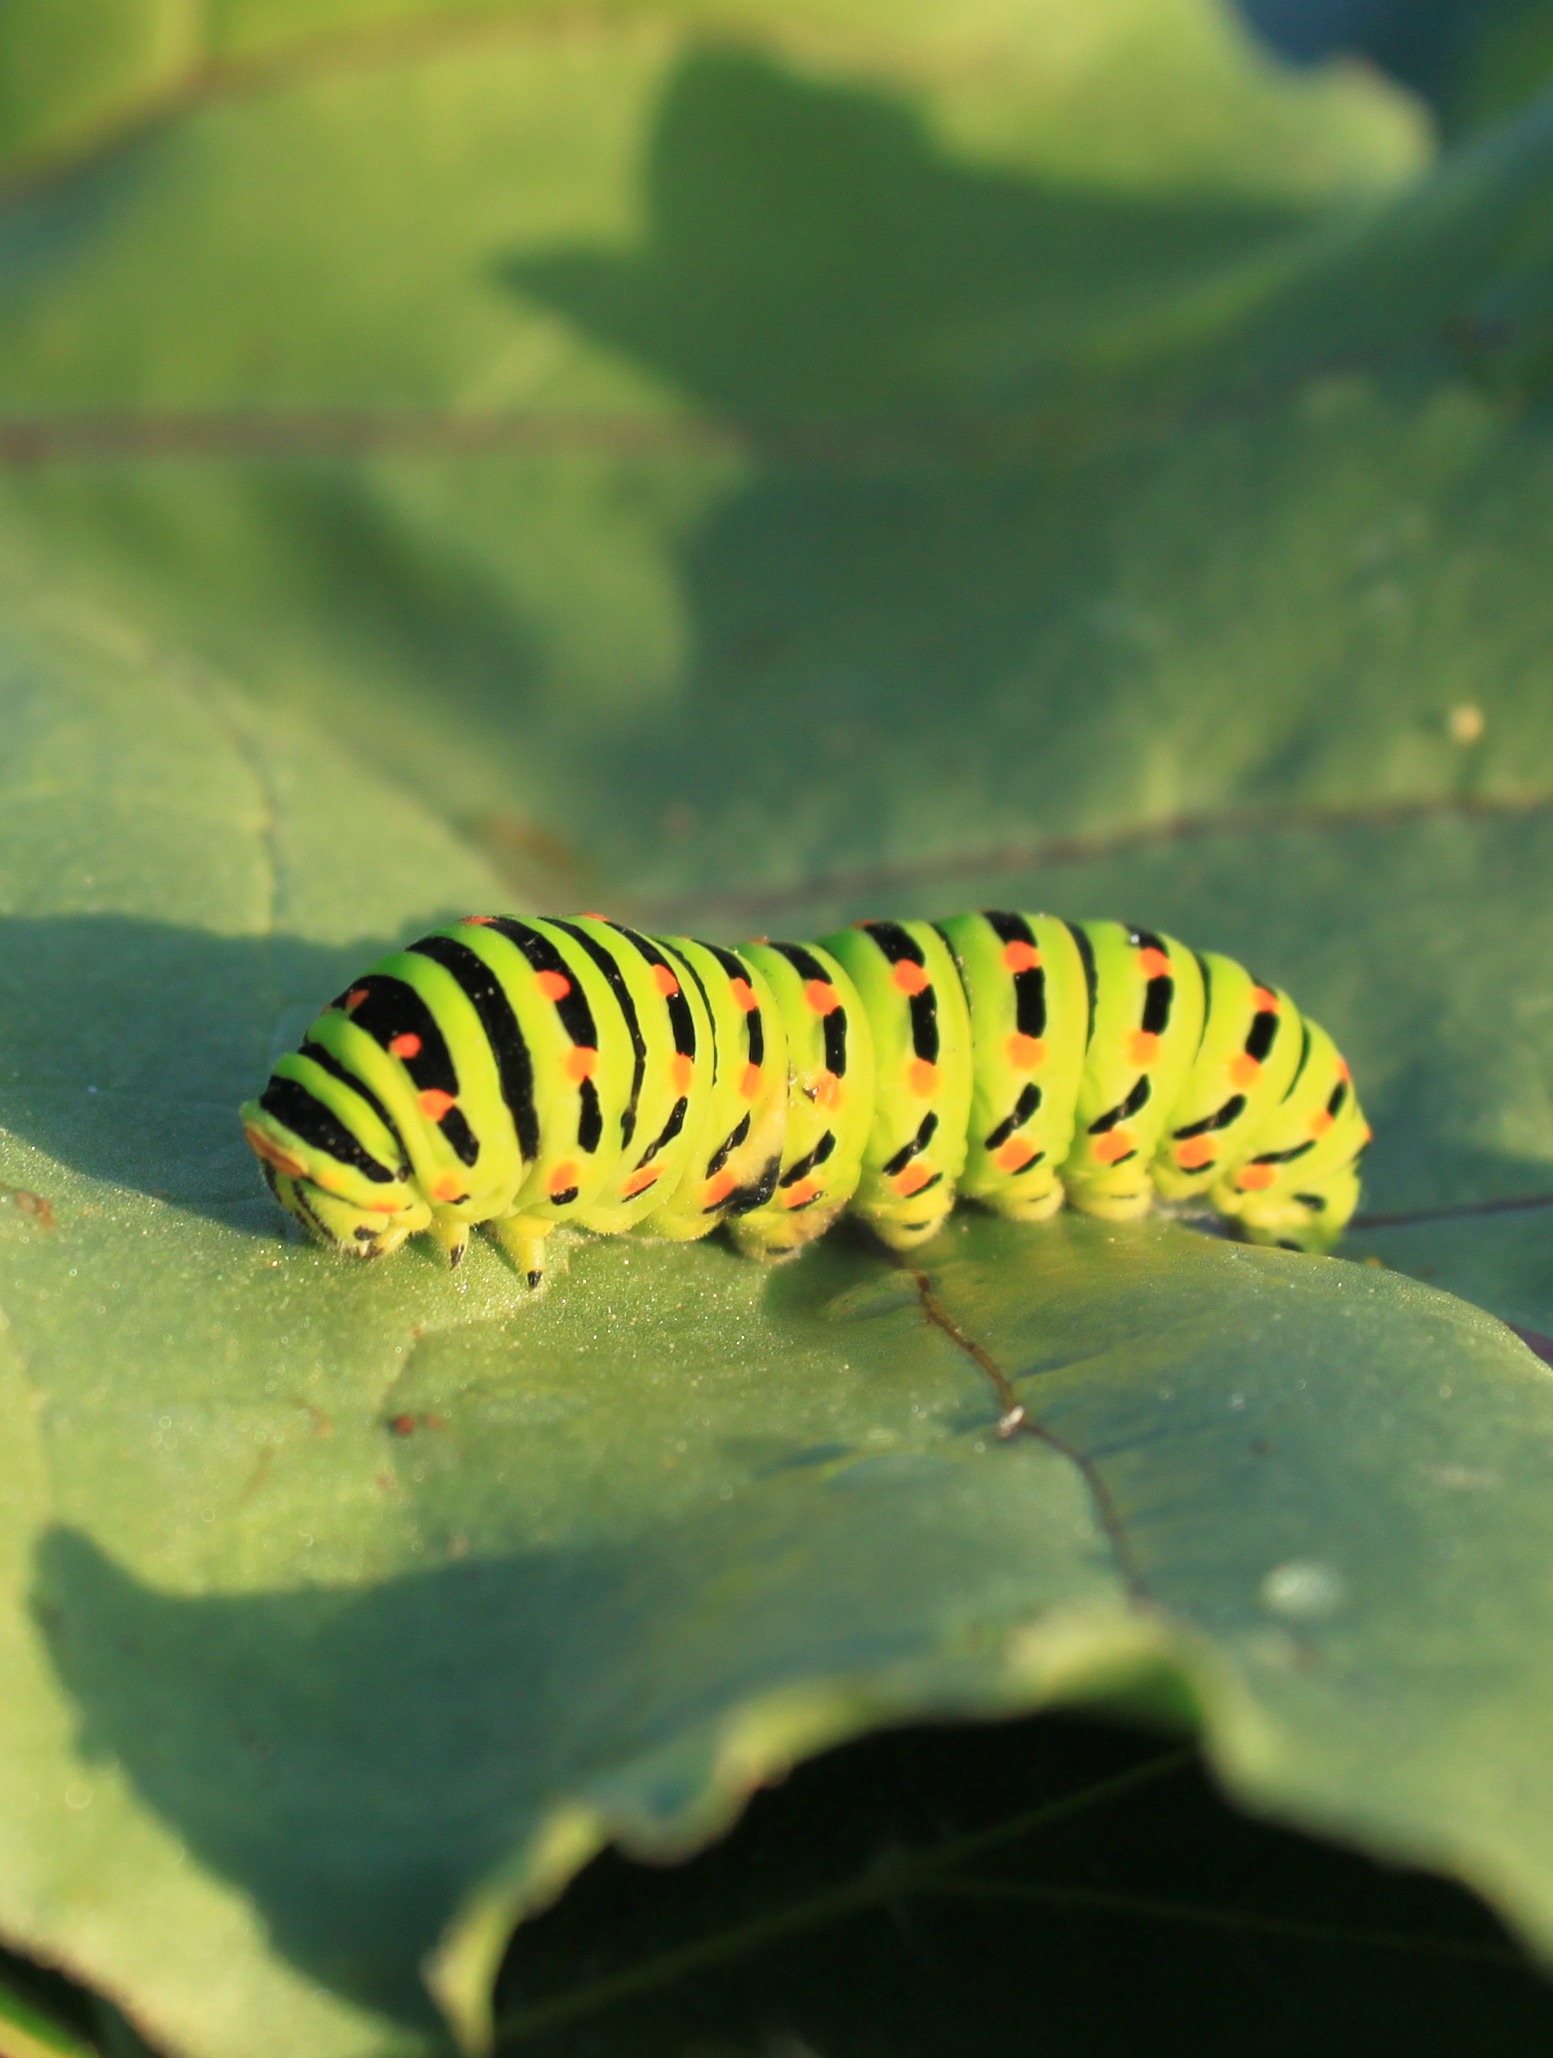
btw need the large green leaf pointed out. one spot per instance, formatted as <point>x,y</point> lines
<point>758,463</point>
<point>349,1611</point>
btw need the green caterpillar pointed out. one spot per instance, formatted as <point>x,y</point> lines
<point>528,1073</point>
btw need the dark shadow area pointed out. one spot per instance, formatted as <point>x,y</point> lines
<point>45,224</point>
<point>1426,45</point>
<point>349,1760</point>
<point>997,1975</point>
<point>56,2000</point>
<point>1402,36</point>
<point>131,1044</point>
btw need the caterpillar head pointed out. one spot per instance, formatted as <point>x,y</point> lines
<point>317,1195</point>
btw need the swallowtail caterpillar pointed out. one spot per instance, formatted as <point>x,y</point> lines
<point>525,1073</point>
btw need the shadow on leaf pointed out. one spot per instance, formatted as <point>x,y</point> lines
<point>355,1759</point>
<point>899,335</point>
<point>131,1044</point>
<point>813,254</point>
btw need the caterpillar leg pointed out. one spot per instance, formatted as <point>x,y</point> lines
<point>773,1237</point>
<point>1112,1207</point>
<point>897,1235</point>
<point>1021,1206</point>
<point>452,1235</point>
<point>523,1237</point>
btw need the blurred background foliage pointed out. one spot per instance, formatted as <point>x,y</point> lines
<point>1473,61</point>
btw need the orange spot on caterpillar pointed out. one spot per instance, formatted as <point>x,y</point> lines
<point>563,1178</point>
<point>1014,1155</point>
<point>665,981</point>
<point>718,1189</point>
<point>1245,1070</point>
<point>1196,1152</point>
<point>922,1076</point>
<point>909,978</point>
<point>354,998</point>
<point>381,1207</point>
<point>821,996</point>
<point>827,1089</point>
<point>1143,1047</point>
<point>1342,1069</point>
<point>1321,1121</point>
<point>581,1062</point>
<point>913,1179</point>
<point>434,1103</point>
<point>1264,1000</point>
<point>742,994</point>
<point>448,1187</point>
<point>593,915</point>
<point>639,1181</point>
<point>478,921</point>
<point>272,1153</point>
<point>1153,964</point>
<point>749,1085</point>
<point>1025,1053</point>
<point>553,985</point>
<point>1252,1177</point>
<point>1020,957</point>
<point>805,1190</point>
<point>682,1071</point>
<point>405,1045</point>
<point>1116,1143</point>
<point>329,1177</point>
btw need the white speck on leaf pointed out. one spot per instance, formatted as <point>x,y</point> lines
<point>1304,1588</point>
<point>1462,1478</point>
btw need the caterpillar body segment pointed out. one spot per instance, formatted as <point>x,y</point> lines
<point>914,1002</point>
<point>744,1121</point>
<point>1148,1024</point>
<point>519,1073</point>
<point>829,1099</point>
<point>1030,1027</point>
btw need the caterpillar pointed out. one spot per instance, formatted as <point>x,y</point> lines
<point>524,1073</point>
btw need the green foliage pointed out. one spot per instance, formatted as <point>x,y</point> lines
<point>749,465</point>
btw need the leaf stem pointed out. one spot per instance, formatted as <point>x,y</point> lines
<point>1206,1916</point>
<point>1017,1420</point>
